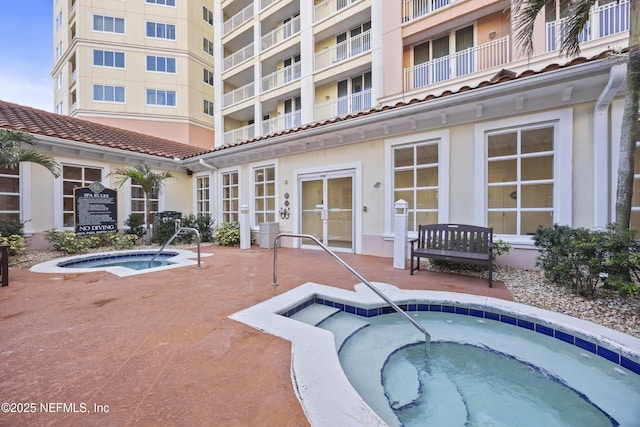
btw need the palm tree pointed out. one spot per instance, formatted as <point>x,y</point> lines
<point>151,183</point>
<point>525,13</point>
<point>12,153</point>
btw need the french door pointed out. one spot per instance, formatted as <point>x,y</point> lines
<point>327,209</point>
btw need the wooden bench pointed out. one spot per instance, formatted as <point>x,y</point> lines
<point>454,242</point>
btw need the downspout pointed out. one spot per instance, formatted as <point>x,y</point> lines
<point>601,179</point>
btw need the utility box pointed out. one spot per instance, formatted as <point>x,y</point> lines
<point>164,222</point>
<point>268,232</point>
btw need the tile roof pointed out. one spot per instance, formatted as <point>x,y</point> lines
<point>40,122</point>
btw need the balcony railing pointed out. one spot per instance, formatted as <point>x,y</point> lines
<point>414,9</point>
<point>265,3</point>
<point>344,105</point>
<point>238,57</point>
<point>240,134</point>
<point>343,51</point>
<point>277,124</point>
<point>281,33</point>
<point>281,77</point>
<point>238,95</point>
<point>238,19</point>
<point>468,61</point>
<point>605,20</point>
<point>330,7</point>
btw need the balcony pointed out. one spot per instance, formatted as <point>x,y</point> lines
<point>238,57</point>
<point>330,7</point>
<point>238,95</point>
<point>277,124</point>
<point>414,9</point>
<point>605,20</point>
<point>265,3</point>
<point>344,105</point>
<point>237,20</point>
<point>240,134</point>
<point>281,33</point>
<point>468,61</point>
<point>343,51</point>
<point>281,77</point>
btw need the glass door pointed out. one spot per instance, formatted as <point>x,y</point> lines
<point>327,209</point>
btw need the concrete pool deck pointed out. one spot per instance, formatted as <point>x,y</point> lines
<point>158,349</point>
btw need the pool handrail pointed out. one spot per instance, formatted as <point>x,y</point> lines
<point>178,230</point>
<point>393,305</point>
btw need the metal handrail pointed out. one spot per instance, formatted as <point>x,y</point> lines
<point>178,230</point>
<point>354,272</point>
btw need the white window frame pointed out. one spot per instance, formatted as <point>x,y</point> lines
<point>260,165</point>
<point>220,186</point>
<point>93,27</point>
<point>166,93</point>
<point>443,140</point>
<point>210,192</point>
<point>104,52</point>
<point>115,101</point>
<point>155,30</point>
<point>562,120</point>
<point>155,61</point>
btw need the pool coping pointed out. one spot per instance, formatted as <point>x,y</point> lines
<point>327,397</point>
<point>182,258</point>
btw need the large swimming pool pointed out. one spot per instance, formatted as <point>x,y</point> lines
<point>369,368</point>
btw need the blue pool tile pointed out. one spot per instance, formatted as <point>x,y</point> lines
<point>339,306</point>
<point>492,316</point>
<point>526,324</point>
<point>350,309</point>
<point>435,307</point>
<point>508,319</point>
<point>609,355</point>
<point>563,336</point>
<point>476,313</point>
<point>448,309</point>
<point>412,307</point>
<point>545,330</point>
<point>387,310</point>
<point>630,365</point>
<point>462,310</point>
<point>423,307</point>
<point>586,345</point>
<point>321,301</point>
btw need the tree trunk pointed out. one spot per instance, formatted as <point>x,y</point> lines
<point>629,132</point>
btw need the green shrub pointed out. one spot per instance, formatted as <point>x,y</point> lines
<point>9,228</point>
<point>15,241</point>
<point>228,234</point>
<point>204,224</point>
<point>65,241</point>
<point>135,222</point>
<point>585,259</point>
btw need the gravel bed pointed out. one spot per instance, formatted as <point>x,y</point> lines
<point>529,287</point>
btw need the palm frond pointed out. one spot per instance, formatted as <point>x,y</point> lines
<point>34,156</point>
<point>525,13</point>
<point>579,13</point>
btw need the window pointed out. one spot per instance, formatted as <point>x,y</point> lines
<point>230,201</point>
<point>264,186</point>
<point>108,93</point>
<point>58,81</point>
<point>74,177</point>
<point>59,108</point>
<point>137,201</point>
<point>203,195</point>
<point>10,194</point>
<point>161,97</point>
<point>415,180</point>
<point>161,64</point>
<point>163,2</point>
<point>207,15</point>
<point>59,50</point>
<point>207,46</point>
<point>354,94</point>
<point>108,24</point>
<point>106,58</point>
<point>58,20</point>
<point>208,107</point>
<point>520,179</point>
<point>161,31</point>
<point>208,76</point>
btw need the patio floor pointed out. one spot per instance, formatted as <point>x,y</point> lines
<point>158,349</point>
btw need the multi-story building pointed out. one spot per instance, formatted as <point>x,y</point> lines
<point>144,65</point>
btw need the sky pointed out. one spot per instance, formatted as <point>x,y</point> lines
<point>26,53</point>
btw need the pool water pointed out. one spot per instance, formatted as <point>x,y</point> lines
<point>137,261</point>
<point>480,372</point>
